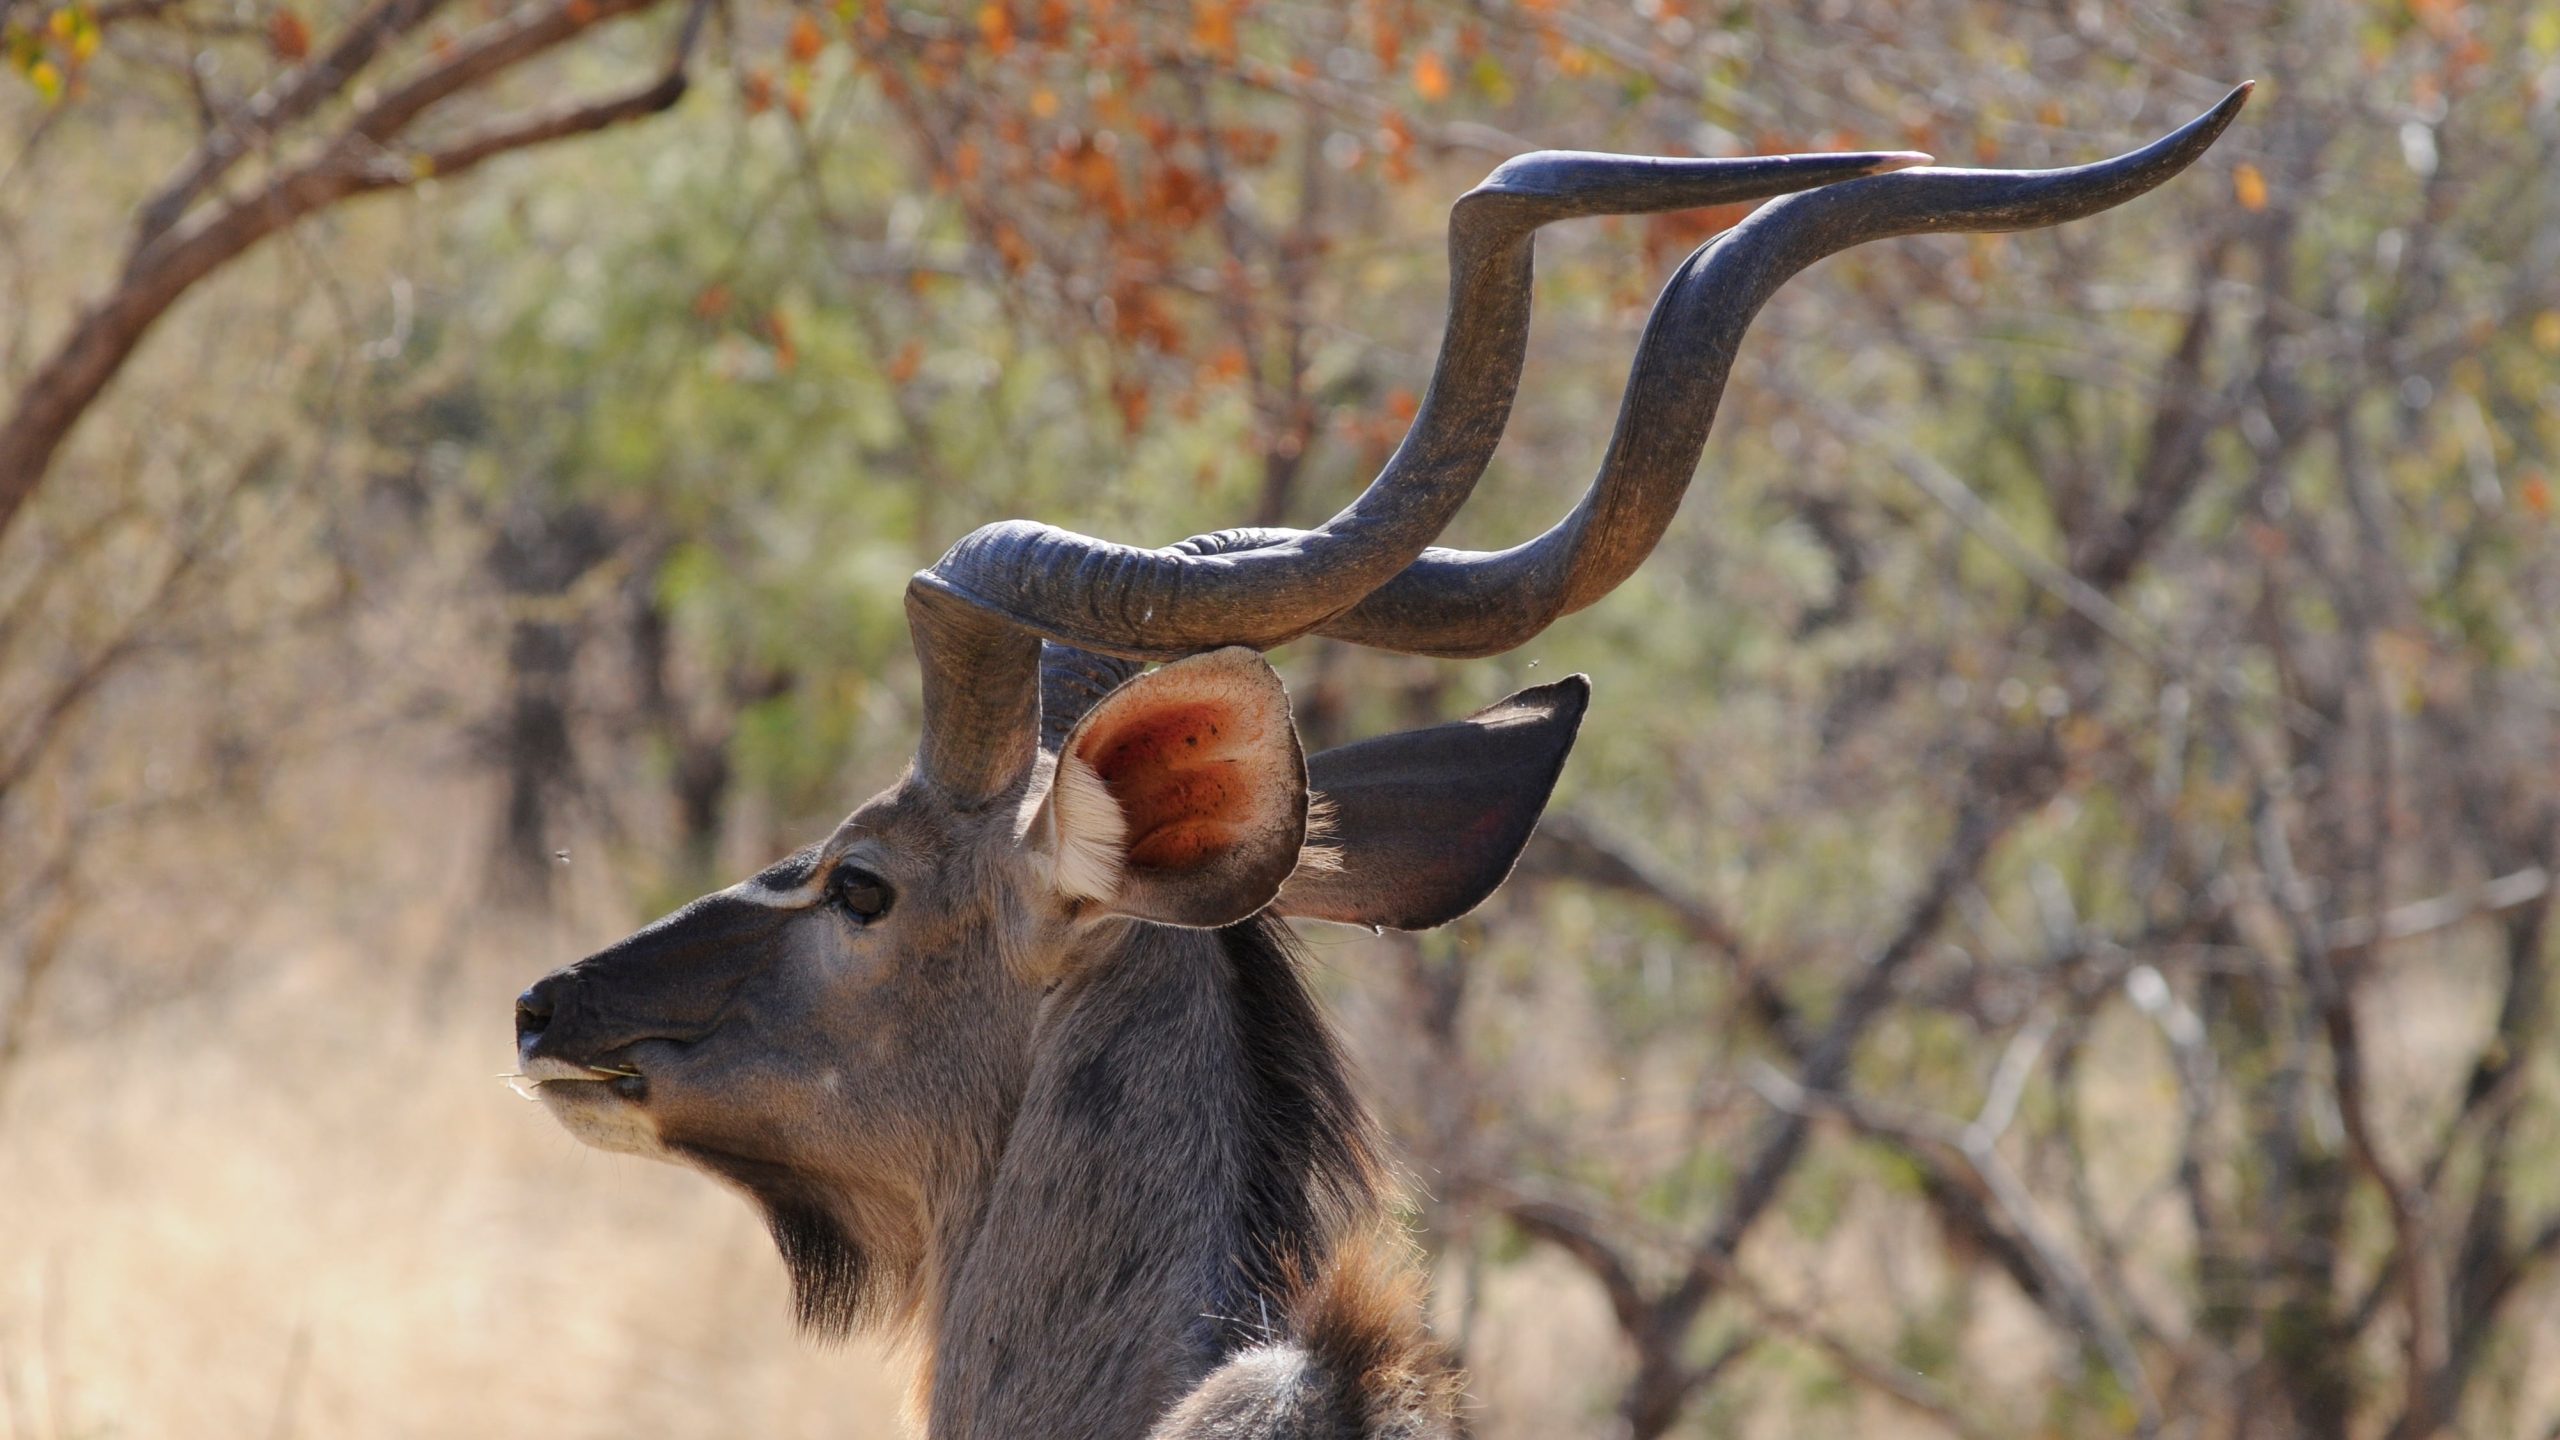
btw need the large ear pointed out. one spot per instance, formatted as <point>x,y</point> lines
<point>1181,797</point>
<point>1426,823</point>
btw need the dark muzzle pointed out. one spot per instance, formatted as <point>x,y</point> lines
<point>672,981</point>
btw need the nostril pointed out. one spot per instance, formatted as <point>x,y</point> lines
<point>533,1011</point>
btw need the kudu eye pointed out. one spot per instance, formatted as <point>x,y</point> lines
<point>864,895</point>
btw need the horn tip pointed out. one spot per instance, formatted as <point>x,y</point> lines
<point>2208,127</point>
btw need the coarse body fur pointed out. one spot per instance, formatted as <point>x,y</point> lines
<point>1186,1207</point>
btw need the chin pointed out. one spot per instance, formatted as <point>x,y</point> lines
<point>591,1110</point>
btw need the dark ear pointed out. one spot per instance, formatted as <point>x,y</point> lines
<point>1426,823</point>
<point>1180,797</point>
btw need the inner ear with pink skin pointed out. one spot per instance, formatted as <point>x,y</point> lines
<point>1181,797</point>
<point>1182,774</point>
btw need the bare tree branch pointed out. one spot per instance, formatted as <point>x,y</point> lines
<point>354,161</point>
<point>292,99</point>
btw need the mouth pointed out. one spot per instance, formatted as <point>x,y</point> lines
<point>546,1077</point>
<point>602,1104</point>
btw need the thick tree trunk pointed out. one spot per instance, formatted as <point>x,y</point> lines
<point>540,762</point>
<point>541,552</point>
<point>699,772</point>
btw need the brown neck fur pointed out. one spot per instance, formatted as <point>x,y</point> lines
<point>1188,1140</point>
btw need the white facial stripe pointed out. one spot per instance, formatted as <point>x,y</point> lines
<point>799,897</point>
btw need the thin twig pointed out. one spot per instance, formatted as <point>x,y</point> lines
<point>1545,1212</point>
<point>1979,1147</point>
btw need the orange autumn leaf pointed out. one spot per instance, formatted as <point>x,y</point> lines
<point>580,12</point>
<point>2534,492</point>
<point>904,365</point>
<point>1675,231</point>
<point>806,41</point>
<point>2439,16</point>
<point>995,23</point>
<point>1388,41</point>
<point>756,92</point>
<point>1431,76</point>
<point>712,302</point>
<point>1131,398</point>
<point>1093,173</point>
<point>1250,146</point>
<point>2249,187</point>
<point>1011,248</point>
<point>1213,27</point>
<point>785,353</point>
<point>288,34</point>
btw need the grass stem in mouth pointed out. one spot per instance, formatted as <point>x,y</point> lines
<point>524,1085</point>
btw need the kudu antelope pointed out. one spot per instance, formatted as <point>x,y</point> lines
<point>1020,1058</point>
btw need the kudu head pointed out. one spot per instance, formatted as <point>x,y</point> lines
<point>848,1035</point>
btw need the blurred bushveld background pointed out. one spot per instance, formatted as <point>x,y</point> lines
<point>2048,931</point>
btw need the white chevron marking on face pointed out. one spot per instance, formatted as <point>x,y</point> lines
<point>794,883</point>
<point>756,892</point>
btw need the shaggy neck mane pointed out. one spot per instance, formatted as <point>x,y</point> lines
<point>1188,1147</point>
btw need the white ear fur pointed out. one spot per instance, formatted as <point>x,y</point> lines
<point>1180,798</point>
<point>1087,837</point>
